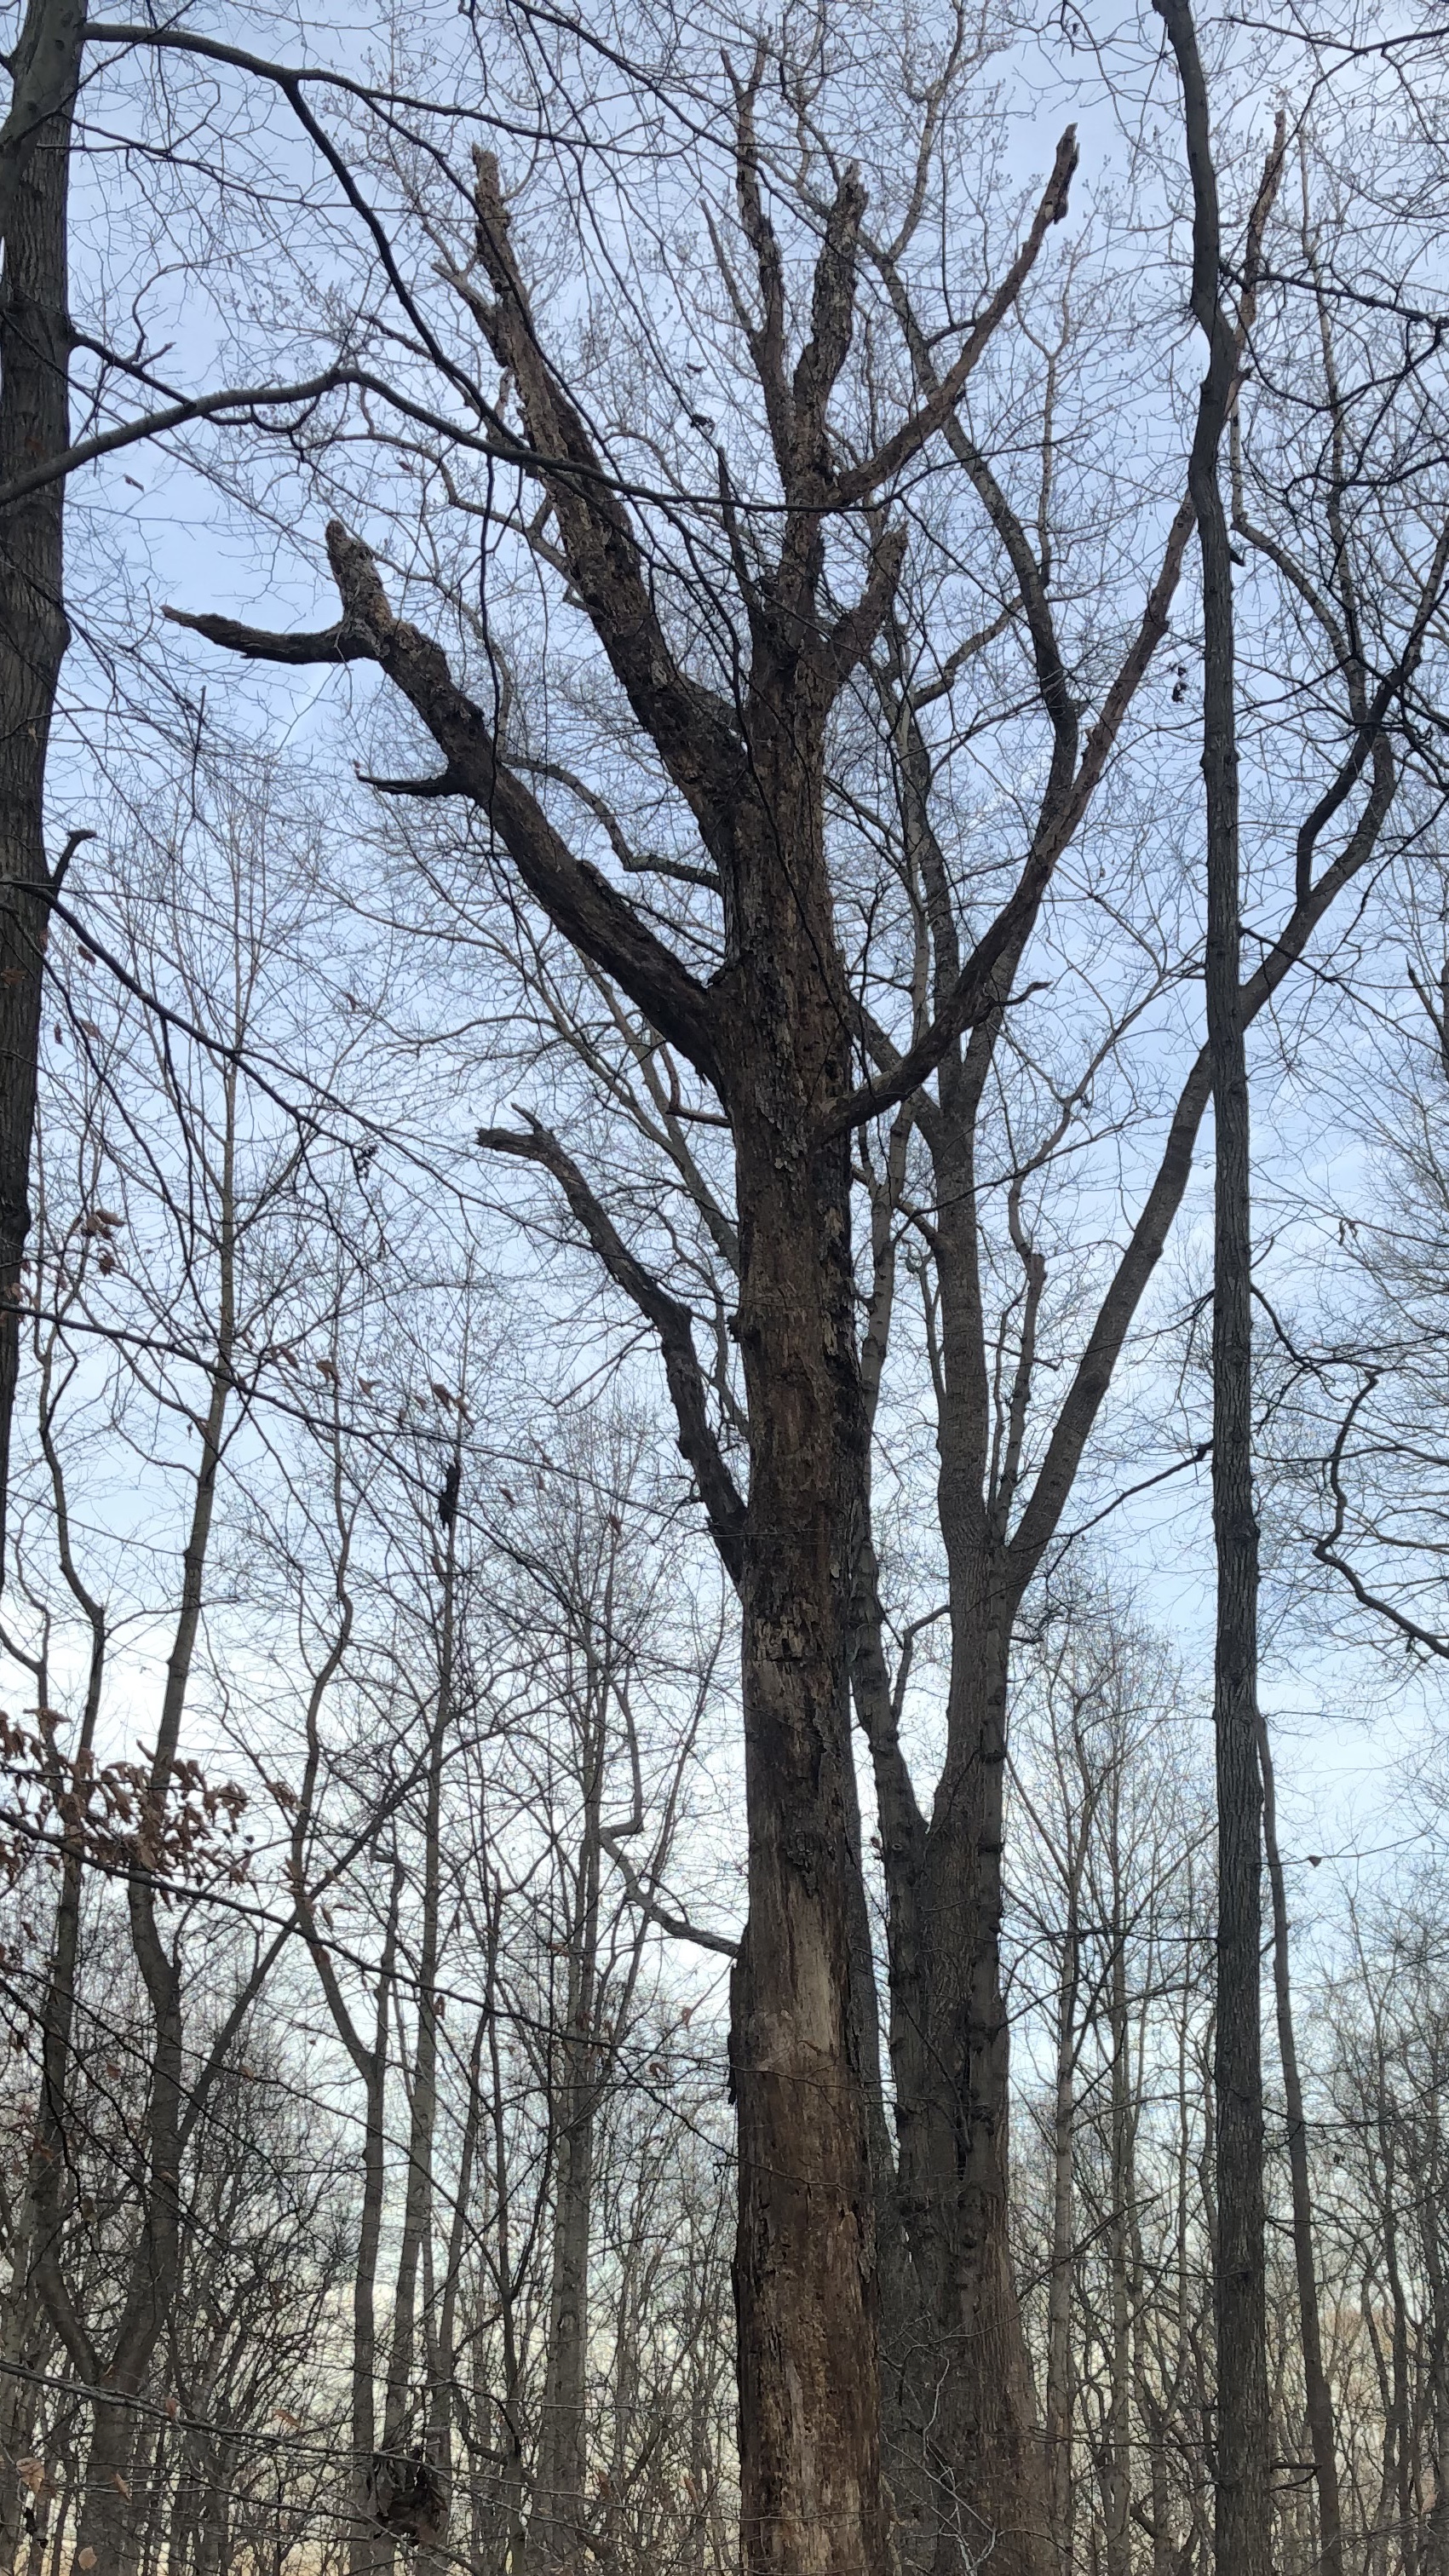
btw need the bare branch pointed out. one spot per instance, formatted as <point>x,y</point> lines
<point>576,897</point>
<point>692,729</point>
<point>913,434</point>
<point>155,424</point>
<point>676,1925</point>
<point>672,1321</point>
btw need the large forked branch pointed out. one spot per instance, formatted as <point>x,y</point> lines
<point>672,1322</point>
<point>578,900</point>
<point>691,728</point>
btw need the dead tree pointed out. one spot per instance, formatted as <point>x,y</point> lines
<point>772,1036</point>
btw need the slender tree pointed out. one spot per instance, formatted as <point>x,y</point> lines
<point>35,346</point>
<point>1243,2512</point>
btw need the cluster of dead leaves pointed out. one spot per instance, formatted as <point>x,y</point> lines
<point>31,2474</point>
<point>191,1831</point>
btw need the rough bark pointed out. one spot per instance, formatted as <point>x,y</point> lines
<point>954,2140</point>
<point>974,2406</point>
<point>805,2284</point>
<point>772,1034</point>
<point>954,2085</point>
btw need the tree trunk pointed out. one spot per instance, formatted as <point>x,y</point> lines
<point>366,2549</point>
<point>508,2530</point>
<point>557,2530</point>
<point>560,2505</point>
<point>1243,2503</point>
<point>19,2404</point>
<point>1061,2373</point>
<point>1436,2552</point>
<point>1318,2397</point>
<point>949,2033</point>
<point>111,2519</point>
<point>1243,2512</point>
<point>805,2267</point>
<point>1398,2430</point>
<point>444,2378</point>
<point>951,2106</point>
<point>213,2539</point>
<point>418,2194</point>
<point>772,1034</point>
<point>34,424</point>
<point>1117,2478</point>
<point>904,2404</point>
<point>35,2269</point>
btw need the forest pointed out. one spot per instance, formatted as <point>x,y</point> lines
<point>724,1289</point>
